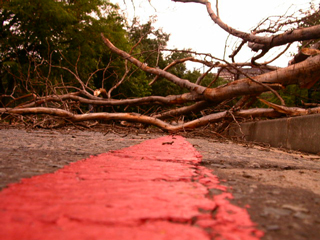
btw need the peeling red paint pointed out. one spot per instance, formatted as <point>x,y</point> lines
<point>152,190</point>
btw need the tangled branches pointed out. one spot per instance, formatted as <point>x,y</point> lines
<point>200,104</point>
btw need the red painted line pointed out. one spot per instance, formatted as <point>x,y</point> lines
<point>154,190</point>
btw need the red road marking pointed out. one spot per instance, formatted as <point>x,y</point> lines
<point>154,190</point>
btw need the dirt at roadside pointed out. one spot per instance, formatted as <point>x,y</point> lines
<point>281,188</point>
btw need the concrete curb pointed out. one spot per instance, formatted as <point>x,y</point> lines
<point>296,133</point>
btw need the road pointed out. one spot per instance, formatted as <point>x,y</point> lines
<point>279,190</point>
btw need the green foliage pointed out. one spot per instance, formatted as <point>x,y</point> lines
<point>40,36</point>
<point>292,95</point>
<point>65,33</point>
<point>136,87</point>
<point>163,87</point>
<point>150,40</point>
<point>180,69</point>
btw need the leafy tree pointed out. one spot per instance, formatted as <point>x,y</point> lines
<point>39,33</point>
<point>163,87</point>
<point>150,41</point>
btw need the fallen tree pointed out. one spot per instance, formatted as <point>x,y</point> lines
<point>200,104</point>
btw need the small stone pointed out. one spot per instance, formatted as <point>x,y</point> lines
<point>271,202</point>
<point>317,200</point>
<point>301,215</point>
<point>247,175</point>
<point>272,227</point>
<point>295,208</point>
<point>254,165</point>
<point>275,192</point>
<point>276,211</point>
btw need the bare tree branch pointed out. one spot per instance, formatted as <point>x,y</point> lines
<point>183,83</point>
<point>300,73</point>
<point>190,1</point>
<point>291,111</point>
<point>263,43</point>
<point>169,100</point>
<point>203,105</point>
<point>215,117</point>
<point>171,65</point>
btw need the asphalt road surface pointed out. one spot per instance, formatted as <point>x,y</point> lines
<point>280,189</point>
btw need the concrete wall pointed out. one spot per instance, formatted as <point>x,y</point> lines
<point>296,133</point>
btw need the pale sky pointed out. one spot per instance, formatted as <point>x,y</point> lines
<point>190,26</point>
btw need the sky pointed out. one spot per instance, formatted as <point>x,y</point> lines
<point>190,26</point>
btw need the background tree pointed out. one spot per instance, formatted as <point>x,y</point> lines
<point>39,34</point>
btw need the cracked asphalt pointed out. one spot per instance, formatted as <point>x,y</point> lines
<point>282,188</point>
